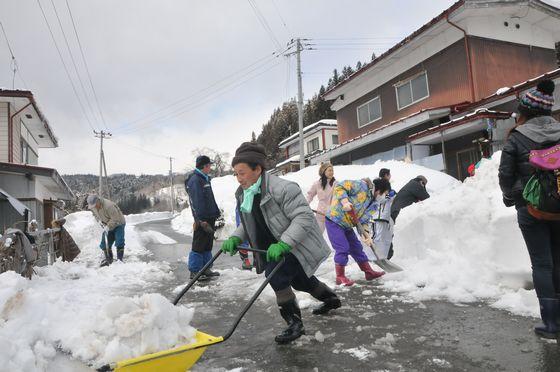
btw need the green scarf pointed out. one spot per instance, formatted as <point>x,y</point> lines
<point>249,195</point>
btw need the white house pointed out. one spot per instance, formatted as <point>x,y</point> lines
<point>23,131</point>
<point>319,136</point>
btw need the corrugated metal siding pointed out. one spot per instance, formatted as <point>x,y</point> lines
<point>499,64</point>
<point>3,131</point>
<point>447,82</point>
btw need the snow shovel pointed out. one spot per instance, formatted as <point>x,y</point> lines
<point>383,263</point>
<point>182,358</point>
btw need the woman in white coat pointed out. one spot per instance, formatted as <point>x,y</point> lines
<point>322,188</point>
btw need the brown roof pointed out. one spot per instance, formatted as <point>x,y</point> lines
<point>405,41</point>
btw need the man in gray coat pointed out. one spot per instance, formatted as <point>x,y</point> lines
<point>110,216</point>
<point>275,217</point>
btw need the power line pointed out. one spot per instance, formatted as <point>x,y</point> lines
<point>185,102</point>
<point>14,65</point>
<point>73,61</point>
<point>357,38</point>
<point>86,66</point>
<point>232,84</point>
<point>64,65</point>
<point>7,41</point>
<point>195,105</point>
<point>263,60</point>
<point>265,24</point>
<point>281,18</point>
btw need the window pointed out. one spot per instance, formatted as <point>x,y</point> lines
<point>28,156</point>
<point>412,90</point>
<point>313,145</point>
<point>24,148</point>
<point>335,139</point>
<point>369,112</point>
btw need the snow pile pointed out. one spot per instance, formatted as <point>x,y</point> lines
<point>224,187</point>
<point>224,193</point>
<point>464,245</point>
<point>83,311</point>
<point>461,245</point>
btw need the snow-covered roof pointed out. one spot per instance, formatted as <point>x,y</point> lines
<point>36,122</point>
<point>311,127</point>
<point>387,129</point>
<point>477,114</point>
<point>374,73</point>
<point>289,160</point>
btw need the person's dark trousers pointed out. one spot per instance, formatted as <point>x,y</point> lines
<point>201,251</point>
<point>543,243</point>
<point>115,236</point>
<point>291,275</point>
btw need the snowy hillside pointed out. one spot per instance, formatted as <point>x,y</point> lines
<point>462,244</point>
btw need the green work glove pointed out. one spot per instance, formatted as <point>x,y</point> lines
<point>230,245</point>
<point>276,251</point>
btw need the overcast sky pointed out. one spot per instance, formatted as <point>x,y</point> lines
<point>145,55</point>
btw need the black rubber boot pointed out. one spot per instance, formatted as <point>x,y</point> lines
<point>549,313</point>
<point>329,298</point>
<point>292,315</point>
<point>202,278</point>
<point>108,258</point>
<point>120,253</point>
<point>211,273</point>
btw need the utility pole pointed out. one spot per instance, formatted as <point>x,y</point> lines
<point>300,105</point>
<point>102,166</point>
<point>172,193</point>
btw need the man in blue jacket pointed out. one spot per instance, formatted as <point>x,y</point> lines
<point>205,211</point>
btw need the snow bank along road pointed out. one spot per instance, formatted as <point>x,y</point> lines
<point>461,246</point>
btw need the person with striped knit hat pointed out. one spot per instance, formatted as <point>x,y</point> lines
<point>536,129</point>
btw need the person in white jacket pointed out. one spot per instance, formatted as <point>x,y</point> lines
<point>322,188</point>
<point>383,223</point>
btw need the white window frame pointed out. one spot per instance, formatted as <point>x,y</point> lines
<point>409,81</point>
<point>367,104</point>
<point>309,150</point>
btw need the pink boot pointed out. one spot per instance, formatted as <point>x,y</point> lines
<point>370,273</point>
<point>340,277</point>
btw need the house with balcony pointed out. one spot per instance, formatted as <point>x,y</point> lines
<point>443,96</point>
<point>317,137</point>
<point>27,191</point>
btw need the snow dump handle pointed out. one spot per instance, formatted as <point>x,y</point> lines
<point>251,300</point>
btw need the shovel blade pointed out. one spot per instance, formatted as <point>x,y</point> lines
<point>388,266</point>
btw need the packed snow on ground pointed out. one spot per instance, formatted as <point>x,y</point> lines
<point>73,314</point>
<point>134,219</point>
<point>462,244</point>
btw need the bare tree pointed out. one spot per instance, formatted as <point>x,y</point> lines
<point>221,165</point>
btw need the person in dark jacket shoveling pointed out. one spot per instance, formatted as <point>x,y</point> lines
<point>276,217</point>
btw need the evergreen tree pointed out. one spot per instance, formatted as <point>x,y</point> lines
<point>358,66</point>
<point>373,56</point>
